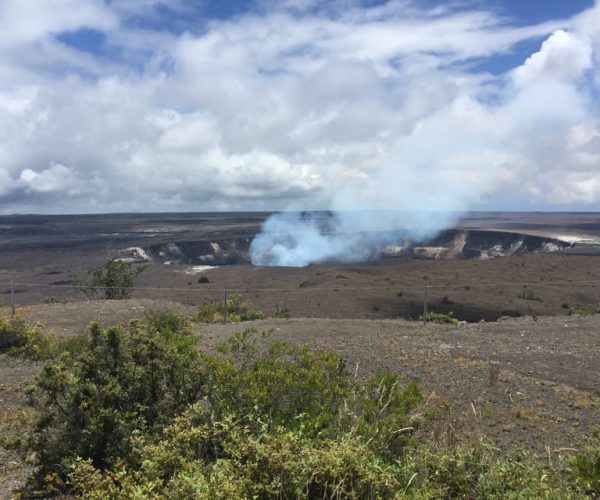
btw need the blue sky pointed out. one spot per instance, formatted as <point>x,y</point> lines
<point>134,105</point>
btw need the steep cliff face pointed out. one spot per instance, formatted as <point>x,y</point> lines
<point>477,244</point>
<point>451,244</point>
<point>214,253</point>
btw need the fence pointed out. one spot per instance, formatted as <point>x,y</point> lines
<point>420,295</point>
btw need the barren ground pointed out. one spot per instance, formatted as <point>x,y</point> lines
<point>547,393</point>
<point>546,396</point>
<point>528,380</point>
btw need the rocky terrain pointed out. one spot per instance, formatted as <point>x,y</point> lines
<point>523,382</point>
<point>519,370</point>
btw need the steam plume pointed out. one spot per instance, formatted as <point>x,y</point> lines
<point>418,191</point>
<point>537,119</point>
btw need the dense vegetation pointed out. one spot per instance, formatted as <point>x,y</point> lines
<point>140,412</point>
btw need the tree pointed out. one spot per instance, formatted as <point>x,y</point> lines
<point>114,280</point>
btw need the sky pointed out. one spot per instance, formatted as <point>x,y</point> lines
<point>199,105</point>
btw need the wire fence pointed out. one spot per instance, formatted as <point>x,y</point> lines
<point>424,292</point>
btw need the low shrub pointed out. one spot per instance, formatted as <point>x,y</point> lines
<point>139,412</point>
<point>113,280</point>
<point>118,403</point>
<point>13,333</point>
<point>586,466</point>
<point>237,311</point>
<point>125,382</point>
<point>482,472</point>
<point>19,338</point>
<point>295,388</point>
<point>198,458</point>
<point>441,318</point>
<point>584,310</point>
<point>282,311</point>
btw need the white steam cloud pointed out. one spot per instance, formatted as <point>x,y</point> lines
<point>450,160</point>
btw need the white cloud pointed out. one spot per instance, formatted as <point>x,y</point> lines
<point>55,179</point>
<point>261,110</point>
<point>26,21</point>
<point>563,56</point>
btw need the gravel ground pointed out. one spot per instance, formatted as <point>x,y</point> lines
<point>518,383</point>
<point>15,375</point>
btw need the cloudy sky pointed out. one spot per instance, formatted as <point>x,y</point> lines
<point>168,105</point>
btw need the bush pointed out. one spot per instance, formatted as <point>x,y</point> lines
<point>125,382</point>
<point>440,318</point>
<point>113,280</point>
<point>480,472</point>
<point>141,414</point>
<point>13,333</point>
<point>529,295</point>
<point>276,423</point>
<point>21,339</point>
<point>237,311</point>
<point>282,311</point>
<point>199,458</point>
<point>107,409</point>
<point>586,466</point>
<point>203,279</point>
<point>278,464</point>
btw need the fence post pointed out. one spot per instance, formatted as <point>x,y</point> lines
<point>12,296</point>
<point>225,307</point>
<point>425,302</point>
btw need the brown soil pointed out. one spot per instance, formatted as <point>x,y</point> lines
<point>472,289</point>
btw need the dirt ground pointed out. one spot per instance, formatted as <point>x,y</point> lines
<point>472,289</point>
<point>518,383</point>
<point>547,392</point>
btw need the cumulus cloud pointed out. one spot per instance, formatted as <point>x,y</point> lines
<point>563,56</point>
<point>301,104</point>
<point>57,178</point>
<point>22,22</point>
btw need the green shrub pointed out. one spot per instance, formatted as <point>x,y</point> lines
<point>481,472</point>
<point>586,466</point>
<point>278,464</point>
<point>125,382</point>
<point>114,280</point>
<point>237,311</point>
<point>140,413</point>
<point>13,333</point>
<point>50,299</point>
<point>288,385</point>
<point>282,311</point>
<point>441,318</point>
<point>584,310</point>
<point>109,405</point>
<point>19,338</point>
<point>200,458</point>
<point>279,422</point>
<point>203,279</point>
